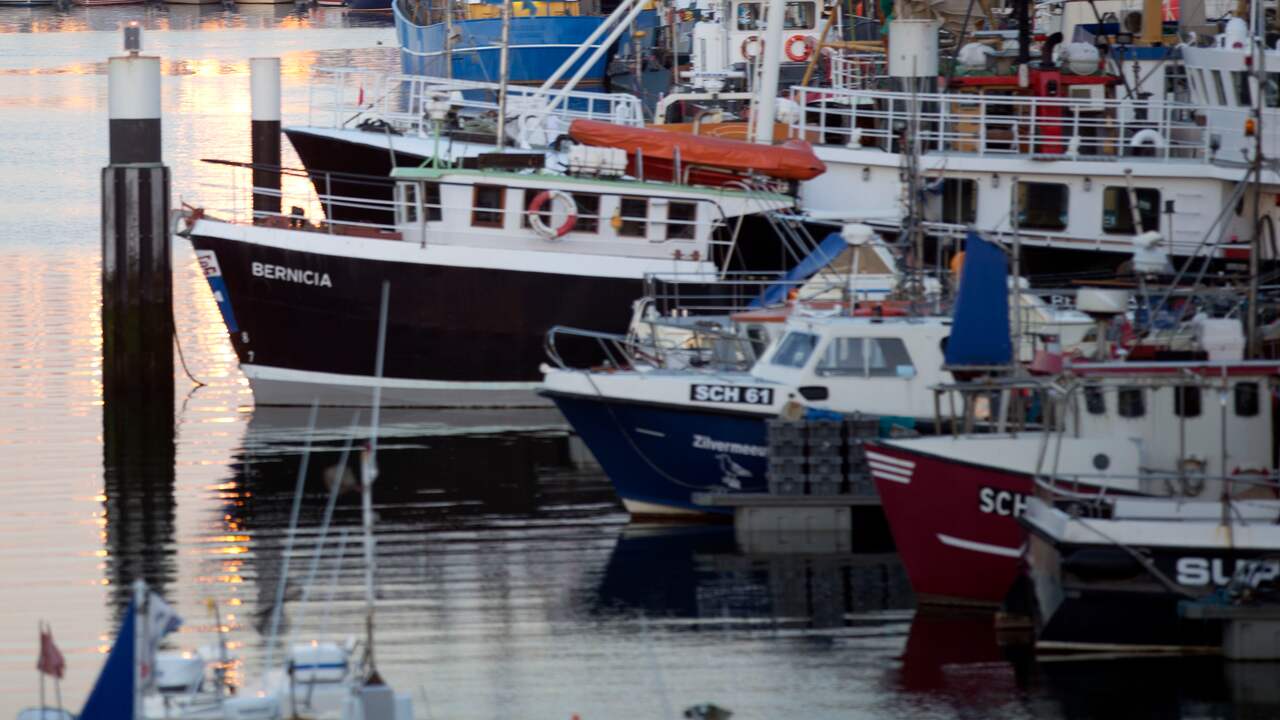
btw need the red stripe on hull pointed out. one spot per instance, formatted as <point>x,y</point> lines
<point>954,525</point>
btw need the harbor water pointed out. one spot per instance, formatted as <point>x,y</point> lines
<point>510,581</point>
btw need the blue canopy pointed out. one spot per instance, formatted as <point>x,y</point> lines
<point>112,696</point>
<point>828,250</point>
<point>980,326</point>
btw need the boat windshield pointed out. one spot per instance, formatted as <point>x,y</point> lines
<point>794,349</point>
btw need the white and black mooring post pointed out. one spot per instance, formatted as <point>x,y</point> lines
<point>264,91</point>
<point>137,286</point>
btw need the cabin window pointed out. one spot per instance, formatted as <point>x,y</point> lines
<point>1204,87</point>
<point>749,16</point>
<point>800,16</point>
<point>634,213</point>
<point>1186,401</point>
<point>959,201</point>
<point>486,205</point>
<point>1271,90</point>
<point>681,220</point>
<point>588,212</point>
<point>1042,206</point>
<point>1218,88</point>
<point>431,205</point>
<point>797,16</point>
<point>1095,400</point>
<point>794,349</point>
<point>1130,402</point>
<point>1117,214</point>
<point>410,202</point>
<point>866,357</point>
<point>1246,396</point>
<point>1243,97</point>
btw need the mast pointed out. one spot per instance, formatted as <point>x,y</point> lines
<point>369,473</point>
<point>448,39</point>
<point>766,100</point>
<point>1259,51</point>
<point>504,62</point>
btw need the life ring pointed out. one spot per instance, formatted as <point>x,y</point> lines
<point>752,41</point>
<point>806,48</point>
<point>540,226</point>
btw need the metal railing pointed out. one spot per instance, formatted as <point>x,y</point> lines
<point>1001,125</point>
<point>344,97</point>
<point>681,347</point>
<point>857,71</point>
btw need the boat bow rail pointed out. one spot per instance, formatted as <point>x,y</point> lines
<point>687,346</point>
<point>1001,125</point>
<point>348,97</point>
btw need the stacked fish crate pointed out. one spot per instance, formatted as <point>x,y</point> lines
<point>819,456</point>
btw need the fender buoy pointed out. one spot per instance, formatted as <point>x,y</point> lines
<point>752,41</point>
<point>806,48</point>
<point>540,226</point>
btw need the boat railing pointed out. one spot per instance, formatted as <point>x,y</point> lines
<point>683,347</point>
<point>857,71</point>
<point>694,294</point>
<point>989,125</point>
<point>301,206</point>
<point>346,97</point>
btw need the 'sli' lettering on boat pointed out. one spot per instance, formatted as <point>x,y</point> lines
<point>297,275</point>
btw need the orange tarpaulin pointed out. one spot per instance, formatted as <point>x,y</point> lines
<point>717,160</point>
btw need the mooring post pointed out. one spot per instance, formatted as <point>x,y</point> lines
<point>137,285</point>
<point>264,91</point>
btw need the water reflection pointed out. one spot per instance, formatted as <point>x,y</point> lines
<point>208,17</point>
<point>703,573</point>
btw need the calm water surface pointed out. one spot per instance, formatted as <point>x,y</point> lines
<point>511,585</point>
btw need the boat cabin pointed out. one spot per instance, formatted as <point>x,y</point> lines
<point>875,366</point>
<point>553,212</point>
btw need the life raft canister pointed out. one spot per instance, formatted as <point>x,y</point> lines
<point>540,226</point>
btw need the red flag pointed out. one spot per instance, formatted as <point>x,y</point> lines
<point>51,661</point>
<point>360,100</point>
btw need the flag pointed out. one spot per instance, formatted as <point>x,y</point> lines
<point>161,620</point>
<point>360,99</point>
<point>50,661</point>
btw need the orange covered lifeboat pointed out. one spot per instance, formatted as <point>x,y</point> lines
<point>703,160</point>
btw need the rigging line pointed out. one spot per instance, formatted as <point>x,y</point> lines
<point>182,358</point>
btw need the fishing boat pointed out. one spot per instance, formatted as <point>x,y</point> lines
<point>484,261</point>
<point>465,40</point>
<point>1126,575</point>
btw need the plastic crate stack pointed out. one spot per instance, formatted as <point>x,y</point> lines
<point>819,457</point>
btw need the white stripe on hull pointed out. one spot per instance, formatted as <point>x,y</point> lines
<point>639,507</point>
<point>283,386</point>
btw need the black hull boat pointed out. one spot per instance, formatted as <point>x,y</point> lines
<point>1123,582</point>
<point>480,265</point>
<point>303,319</point>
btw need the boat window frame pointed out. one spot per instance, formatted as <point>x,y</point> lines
<point>627,224</point>
<point>1036,190</point>
<point>431,201</point>
<point>864,367</point>
<point>1131,402</point>
<point>783,346</point>
<point>954,208</point>
<point>1095,399</point>
<point>1219,87</point>
<point>499,210</point>
<point>588,222</point>
<point>408,205</point>
<point>1124,215</point>
<point>1251,405</point>
<point>1241,89</point>
<point>1188,401</point>
<point>682,228</point>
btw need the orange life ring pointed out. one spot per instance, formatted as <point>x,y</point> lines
<point>806,48</point>
<point>539,226</point>
<point>747,42</point>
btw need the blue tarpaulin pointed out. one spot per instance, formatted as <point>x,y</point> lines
<point>112,696</point>
<point>822,256</point>
<point>980,326</point>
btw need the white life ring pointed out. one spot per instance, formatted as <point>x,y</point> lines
<point>540,226</point>
<point>752,47</point>
<point>806,48</point>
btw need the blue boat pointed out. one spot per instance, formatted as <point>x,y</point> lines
<point>663,435</point>
<point>543,36</point>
